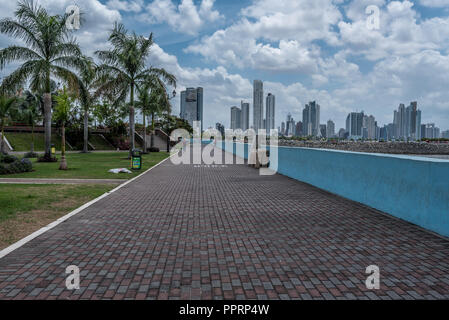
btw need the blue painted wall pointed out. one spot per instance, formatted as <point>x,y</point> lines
<point>415,189</point>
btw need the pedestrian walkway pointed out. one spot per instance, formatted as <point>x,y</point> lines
<point>225,232</point>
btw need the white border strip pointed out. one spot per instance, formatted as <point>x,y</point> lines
<point>37,233</point>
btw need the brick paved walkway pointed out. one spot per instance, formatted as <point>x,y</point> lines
<point>194,232</point>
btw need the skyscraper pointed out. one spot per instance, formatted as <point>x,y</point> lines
<point>330,129</point>
<point>192,105</point>
<point>369,122</point>
<point>323,131</point>
<point>311,119</point>
<point>354,125</point>
<point>270,106</point>
<point>245,115</point>
<point>298,131</point>
<point>236,117</point>
<point>407,122</point>
<point>257,105</point>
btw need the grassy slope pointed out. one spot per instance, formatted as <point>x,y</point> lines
<point>21,141</point>
<point>99,143</point>
<point>90,166</point>
<point>26,208</point>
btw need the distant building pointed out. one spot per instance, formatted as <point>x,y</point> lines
<point>283,128</point>
<point>431,131</point>
<point>323,130</point>
<point>290,126</point>
<point>445,134</point>
<point>330,129</point>
<point>407,122</point>
<point>311,119</point>
<point>245,115</point>
<point>270,108</point>
<point>343,134</point>
<point>257,105</point>
<point>354,125</point>
<point>236,116</point>
<point>192,105</point>
<point>369,123</point>
<point>298,131</point>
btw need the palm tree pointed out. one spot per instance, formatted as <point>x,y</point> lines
<point>62,114</point>
<point>6,106</point>
<point>143,104</point>
<point>124,70</point>
<point>87,83</point>
<point>31,108</point>
<point>49,52</point>
<point>159,103</point>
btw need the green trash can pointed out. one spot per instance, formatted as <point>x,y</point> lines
<point>136,159</point>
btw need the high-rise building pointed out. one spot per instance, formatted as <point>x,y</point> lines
<point>311,119</point>
<point>369,122</point>
<point>269,117</point>
<point>283,128</point>
<point>290,126</point>
<point>431,131</point>
<point>236,117</point>
<point>407,122</point>
<point>330,129</point>
<point>342,133</point>
<point>323,130</point>
<point>298,131</point>
<point>445,134</point>
<point>192,105</point>
<point>354,125</point>
<point>245,115</point>
<point>257,105</point>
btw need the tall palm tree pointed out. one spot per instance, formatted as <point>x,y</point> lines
<point>49,52</point>
<point>6,106</point>
<point>143,104</point>
<point>31,108</point>
<point>124,70</point>
<point>88,74</point>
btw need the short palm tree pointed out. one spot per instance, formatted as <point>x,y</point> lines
<point>6,107</point>
<point>64,103</point>
<point>49,52</point>
<point>124,70</point>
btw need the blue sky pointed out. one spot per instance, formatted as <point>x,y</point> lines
<point>303,50</point>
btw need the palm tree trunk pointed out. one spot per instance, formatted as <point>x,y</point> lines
<point>47,124</point>
<point>131,122</point>
<point>63,165</point>
<point>144,134</point>
<point>152,130</point>
<point>86,131</point>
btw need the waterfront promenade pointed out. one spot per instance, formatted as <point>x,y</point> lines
<point>225,232</point>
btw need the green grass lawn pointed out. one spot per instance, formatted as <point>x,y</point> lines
<point>25,208</point>
<point>93,165</point>
<point>21,141</point>
<point>99,143</point>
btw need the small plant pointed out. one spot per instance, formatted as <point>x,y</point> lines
<point>46,158</point>
<point>153,149</point>
<point>30,155</point>
<point>11,165</point>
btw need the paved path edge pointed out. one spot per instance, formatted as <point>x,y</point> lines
<point>42,230</point>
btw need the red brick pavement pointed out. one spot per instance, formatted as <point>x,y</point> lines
<point>197,232</point>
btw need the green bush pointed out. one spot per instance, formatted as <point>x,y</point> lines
<point>8,158</point>
<point>17,166</point>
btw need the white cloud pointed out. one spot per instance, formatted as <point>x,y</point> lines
<point>185,18</point>
<point>434,3</point>
<point>128,6</point>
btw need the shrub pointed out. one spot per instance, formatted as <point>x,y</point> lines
<point>17,166</point>
<point>153,149</point>
<point>8,158</point>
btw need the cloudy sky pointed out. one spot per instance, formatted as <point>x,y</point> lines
<point>303,50</point>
